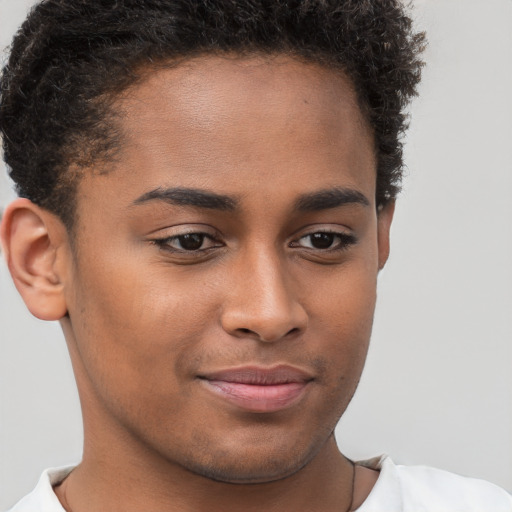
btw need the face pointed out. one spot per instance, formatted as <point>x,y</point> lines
<point>223,282</point>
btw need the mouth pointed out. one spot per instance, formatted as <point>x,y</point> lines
<point>257,389</point>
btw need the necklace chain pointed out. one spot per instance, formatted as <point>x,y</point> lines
<point>352,463</point>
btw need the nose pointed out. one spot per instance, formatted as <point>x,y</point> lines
<point>261,302</point>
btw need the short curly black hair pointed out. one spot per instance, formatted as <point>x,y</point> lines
<point>71,58</point>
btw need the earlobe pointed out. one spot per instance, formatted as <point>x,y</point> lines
<point>33,241</point>
<point>384,219</point>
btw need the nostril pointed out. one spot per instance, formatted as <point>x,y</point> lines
<point>267,323</point>
<point>245,331</point>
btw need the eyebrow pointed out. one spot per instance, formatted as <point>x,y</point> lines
<point>314,201</point>
<point>329,198</point>
<point>189,197</point>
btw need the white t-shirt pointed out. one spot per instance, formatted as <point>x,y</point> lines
<point>398,489</point>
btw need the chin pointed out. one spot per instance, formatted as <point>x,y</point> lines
<point>249,472</point>
<point>253,465</point>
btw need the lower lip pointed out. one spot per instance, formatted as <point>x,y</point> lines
<point>254,398</point>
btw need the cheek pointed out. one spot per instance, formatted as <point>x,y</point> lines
<point>343,298</point>
<point>129,343</point>
<point>341,319</point>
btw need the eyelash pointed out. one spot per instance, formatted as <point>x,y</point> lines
<point>344,242</point>
<point>165,243</point>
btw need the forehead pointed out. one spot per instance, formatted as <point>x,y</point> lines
<point>205,93</point>
<point>235,124</point>
<point>266,79</point>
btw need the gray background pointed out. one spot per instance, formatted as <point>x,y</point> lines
<point>437,388</point>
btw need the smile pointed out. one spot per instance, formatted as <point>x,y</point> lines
<point>257,389</point>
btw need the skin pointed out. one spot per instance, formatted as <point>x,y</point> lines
<point>144,319</point>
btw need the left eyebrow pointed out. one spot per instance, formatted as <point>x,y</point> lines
<point>189,197</point>
<point>330,198</point>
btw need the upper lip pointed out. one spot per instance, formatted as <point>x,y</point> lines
<point>259,376</point>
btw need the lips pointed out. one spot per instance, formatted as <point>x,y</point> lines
<point>256,389</point>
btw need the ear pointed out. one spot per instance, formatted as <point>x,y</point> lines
<point>384,219</point>
<point>35,245</point>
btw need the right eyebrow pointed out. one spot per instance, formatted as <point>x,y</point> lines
<point>189,197</point>
<point>330,198</point>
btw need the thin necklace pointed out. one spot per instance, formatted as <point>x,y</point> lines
<point>352,463</point>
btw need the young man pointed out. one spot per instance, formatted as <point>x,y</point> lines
<point>206,194</point>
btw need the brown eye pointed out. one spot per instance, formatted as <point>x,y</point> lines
<point>187,243</point>
<point>190,242</point>
<point>326,241</point>
<point>322,240</point>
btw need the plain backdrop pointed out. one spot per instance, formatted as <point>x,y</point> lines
<point>437,387</point>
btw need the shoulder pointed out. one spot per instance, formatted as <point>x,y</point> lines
<point>448,491</point>
<point>426,489</point>
<point>42,498</point>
